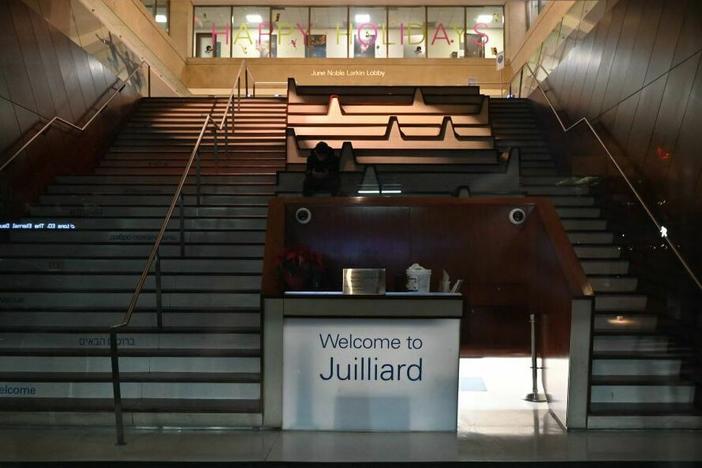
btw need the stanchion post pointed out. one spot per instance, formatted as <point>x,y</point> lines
<point>534,396</point>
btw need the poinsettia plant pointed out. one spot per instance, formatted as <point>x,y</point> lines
<point>300,268</point>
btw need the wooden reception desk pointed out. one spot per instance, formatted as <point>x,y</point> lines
<point>362,363</point>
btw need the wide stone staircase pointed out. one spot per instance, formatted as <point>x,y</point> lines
<point>640,372</point>
<point>69,269</point>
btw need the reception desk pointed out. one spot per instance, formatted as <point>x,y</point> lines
<point>362,363</point>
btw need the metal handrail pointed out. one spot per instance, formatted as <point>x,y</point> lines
<point>153,257</point>
<point>58,119</point>
<point>661,229</point>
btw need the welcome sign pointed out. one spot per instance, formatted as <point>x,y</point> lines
<point>366,374</point>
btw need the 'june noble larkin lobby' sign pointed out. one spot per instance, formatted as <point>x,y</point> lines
<point>370,374</point>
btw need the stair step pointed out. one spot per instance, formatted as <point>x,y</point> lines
<point>141,224</point>
<point>137,390</point>
<point>194,342</point>
<point>544,190</point>
<point>107,282</point>
<point>128,250</point>
<point>125,265</point>
<point>70,321</point>
<point>155,404</point>
<point>577,200</point>
<point>152,200</point>
<point>138,237</point>
<point>237,179</point>
<point>149,211</point>
<point>644,416</point>
<point>669,367</point>
<point>561,181</point>
<point>252,166</point>
<point>605,267</point>
<point>621,302</point>
<point>597,251</point>
<point>613,284</point>
<point>578,212</point>
<point>162,189</point>
<point>590,237</point>
<point>78,300</point>
<point>625,322</point>
<point>678,393</point>
<point>584,224</point>
<point>210,170</point>
<point>648,343</point>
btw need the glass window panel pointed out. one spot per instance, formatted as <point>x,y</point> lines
<point>212,31</point>
<point>162,14</point>
<point>368,29</point>
<point>329,32</point>
<point>290,30</point>
<point>445,32</point>
<point>251,35</point>
<point>406,32</point>
<point>485,31</point>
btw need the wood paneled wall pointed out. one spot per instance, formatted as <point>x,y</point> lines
<point>510,270</point>
<point>43,74</point>
<point>638,74</point>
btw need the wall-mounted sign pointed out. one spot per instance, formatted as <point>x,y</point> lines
<point>370,374</point>
<point>353,72</point>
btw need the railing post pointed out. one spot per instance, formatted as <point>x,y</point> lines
<point>148,78</point>
<point>216,150</point>
<point>521,77</point>
<point>182,224</point>
<point>114,358</point>
<point>159,302</point>
<point>534,396</point>
<point>246,82</point>
<point>197,176</point>
<point>226,132</point>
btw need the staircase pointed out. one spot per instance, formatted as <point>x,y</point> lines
<point>61,288</point>
<point>637,373</point>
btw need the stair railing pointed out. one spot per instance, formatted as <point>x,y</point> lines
<point>59,120</point>
<point>154,260</point>
<point>584,120</point>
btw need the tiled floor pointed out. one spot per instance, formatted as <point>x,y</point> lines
<point>495,424</point>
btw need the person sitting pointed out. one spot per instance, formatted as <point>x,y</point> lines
<point>322,173</point>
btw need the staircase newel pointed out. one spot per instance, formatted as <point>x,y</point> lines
<point>114,358</point>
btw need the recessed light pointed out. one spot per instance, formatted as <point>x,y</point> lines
<point>161,19</point>
<point>254,19</point>
<point>362,18</point>
<point>484,18</point>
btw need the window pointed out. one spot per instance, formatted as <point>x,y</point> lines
<point>290,30</point>
<point>369,31</point>
<point>346,32</point>
<point>159,10</point>
<point>213,31</point>
<point>446,32</point>
<point>534,9</point>
<point>484,32</point>
<point>407,32</point>
<point>251,34</point>
<point>329,32</point>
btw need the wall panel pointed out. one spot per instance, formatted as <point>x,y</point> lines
<point>44,74</point>
<point>637,76</point>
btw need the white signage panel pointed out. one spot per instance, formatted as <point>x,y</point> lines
<point>364,374</point>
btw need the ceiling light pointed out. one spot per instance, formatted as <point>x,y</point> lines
<point>254,19</point>
<point>362,18</point>
<point>161,19</point>
<point>483,18</point>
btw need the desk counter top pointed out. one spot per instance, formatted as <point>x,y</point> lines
<point>389,305</point>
